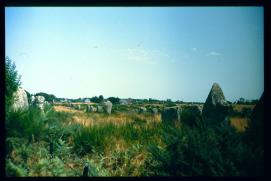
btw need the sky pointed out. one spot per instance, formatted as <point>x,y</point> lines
<point>138,52</point>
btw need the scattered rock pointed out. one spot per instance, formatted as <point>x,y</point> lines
<point>191,115</point>
<point>108,107</point>
<point>46,103</point>
<point>142,110</point>
<point>78,107</point>
<point>216,108</point>
<point>32,100</point>
<point>39,102</point>
<point>88,108</point>
<point>20,100</point>
<point>100,109</point>
<point>93,109</point>
<point>171,114</point>
<point>154,111</point>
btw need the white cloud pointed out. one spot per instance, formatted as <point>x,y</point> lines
<point>213,54</point>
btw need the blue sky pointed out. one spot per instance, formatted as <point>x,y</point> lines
<point>138,52</point>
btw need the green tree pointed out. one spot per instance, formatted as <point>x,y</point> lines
<point>101,98</point>
<point>12,80</point>
<point>114,100</point>
<point>94,99</point>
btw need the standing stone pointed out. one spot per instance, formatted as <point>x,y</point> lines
<point>191,115</point>
<point>32,100</point>
<point>108,107</point>
<point>93,109</point>
<point>215,109</point>
<point>171,114</point>
<point>78,107</point>
<point>88,108</point>
<point>142,110</point>
<point>100,109</point>
<point>20,100</point>
<point>46,103</point>
<point>39,102</point>
<point>154,111</point>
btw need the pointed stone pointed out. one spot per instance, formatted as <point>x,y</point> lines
<point>215,108</point>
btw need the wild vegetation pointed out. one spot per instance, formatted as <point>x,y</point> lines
<point>62,141</point>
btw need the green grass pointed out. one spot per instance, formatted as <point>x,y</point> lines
<point>137,148</point>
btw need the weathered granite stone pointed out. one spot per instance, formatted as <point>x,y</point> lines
<point>100,109</point>
<point>171,114</point>
<point>39,102</point>
<point>88,108</point>
<point>93,109</point>
<point>191,115</point>
<point>108,107</point>
<point>78,107</point>
<point>216,108</point>
<point>154,111</point>
<point>142,110</point>
<point>20,100</point>
<point>32,100</point>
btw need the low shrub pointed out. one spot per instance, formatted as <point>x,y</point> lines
<point>198,152</point>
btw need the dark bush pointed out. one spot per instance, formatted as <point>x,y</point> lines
<point>191,151</point>
<point>191,116</point>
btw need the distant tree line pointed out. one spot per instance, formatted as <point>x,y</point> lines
<point>245,101</point>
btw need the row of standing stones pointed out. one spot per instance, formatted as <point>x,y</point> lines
<point>214,112</point>
<point>215,109</point>
<point>104,107</point>
<point>107,108</point>
<point>21,101</point>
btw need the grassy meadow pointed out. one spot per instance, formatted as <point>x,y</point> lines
<point>63,140</point>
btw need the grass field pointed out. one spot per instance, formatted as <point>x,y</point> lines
<point>240,107</point>
<point>239,123</point>
<point>125,143</point>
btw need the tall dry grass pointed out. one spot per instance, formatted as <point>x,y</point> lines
<point>239,123</point>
